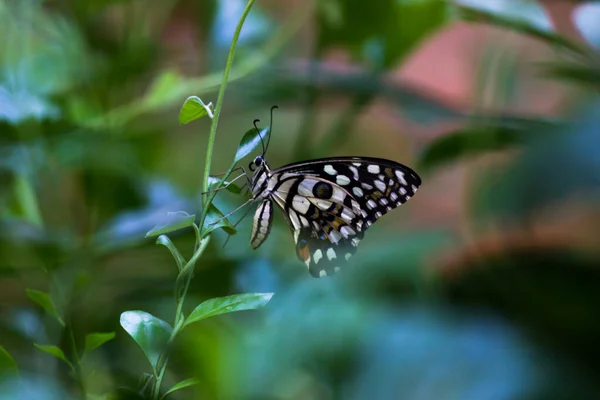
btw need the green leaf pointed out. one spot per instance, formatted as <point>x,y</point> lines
<point>149,332</point>
<point>8,366</point>
<point>214,214</point>
<point>460,144</point>
<point>55,351</point>
<point>97,339</point>
<point>44,300</point>
<point>524,27</point>
<point>214,182</point>
<point>173,222</point>
<point>582,74</point>
<point>250,141</point>
<point>181,385</point>
<point>193,109</point>
<point>165,241</point>
<point>223,305</point>
<point>486,134</point>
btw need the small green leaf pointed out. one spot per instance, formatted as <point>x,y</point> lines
<point>194,108</point>
<point>223,305</point>
<point>165,241</point>
<point>173,222</point>
<point>250,141</point>
<point>55,351</point>
<point>8,366</point>
<point>44,300</point>
<point>181,385</point>
<point>149,332</point>
<point>215,215</point>
<point>214,182</point>
<point>97,339</point>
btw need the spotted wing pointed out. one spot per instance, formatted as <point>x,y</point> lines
<point>330,202</point>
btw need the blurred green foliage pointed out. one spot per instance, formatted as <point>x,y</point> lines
<point>95,163</point>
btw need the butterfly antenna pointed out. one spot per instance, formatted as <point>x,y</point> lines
<point>260,136</point>
<point>271,126</point>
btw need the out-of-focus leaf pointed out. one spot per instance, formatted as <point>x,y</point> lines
<point>149,332</point>
<point>524,27</point>
<point>213,182</point>
<point>181,385</point>
<point>193,109</point>
<point>97,339</point>
<point>174,221</point>
<point>210,224</point>
<point>7,363</point>
<point>165,90</point>
<point>250,141</point>
<point>582,74</point>
<point>464,143</point>
<point>55,351</point>
<point>223,305</point>
<point>282,84</point>
<point>44,300</point>
<point>165,241</point>
<point>487,133</point>
<point>382,31</point>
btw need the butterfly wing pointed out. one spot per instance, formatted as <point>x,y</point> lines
<point>330,202</point>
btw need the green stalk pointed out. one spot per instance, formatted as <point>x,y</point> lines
<point>207,199</point>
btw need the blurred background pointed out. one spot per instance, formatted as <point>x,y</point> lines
<point>484,286</point>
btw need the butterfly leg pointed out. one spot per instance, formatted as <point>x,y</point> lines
<point>236,224</point>
<point>228,183</point>
<point>232,212</point>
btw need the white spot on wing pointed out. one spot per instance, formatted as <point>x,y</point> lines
<point>335,236</point>
<point>318,255</point>
<point>380,185</point>
<point>342,180</point>
<point>414,188</point>
<point>322,273</point>
<point>366,186</point>
<point>400,176</point>
<point>295,220</point>
<point>402,191</point>
<point>337,269</point>
<point>300,204</point>
<point>371,204</point>
<point>357,164</point>
<point>330,254</point>
<point>355,241</point>
<point>347,256</point>
<point>354,171</point>
<point>306,187</point>
<point>393,196</point>
<point>347,231</point>
<point>373,168</point>
<point>323,204</point>
<point>378,214</point>
<point>347,215</point>
<point>304,221</point>
<point>357,191</point>
<point>383,201</point>
<point>329,169</point>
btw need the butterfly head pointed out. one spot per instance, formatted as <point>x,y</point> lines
<point>260,170</point>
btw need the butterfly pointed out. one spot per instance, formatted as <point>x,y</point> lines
<point>328,203</point>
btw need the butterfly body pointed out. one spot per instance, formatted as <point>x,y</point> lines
<point>328,203</point>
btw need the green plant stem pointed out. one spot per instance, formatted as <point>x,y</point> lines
<point>180,292</point>
<point>188,270</point>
